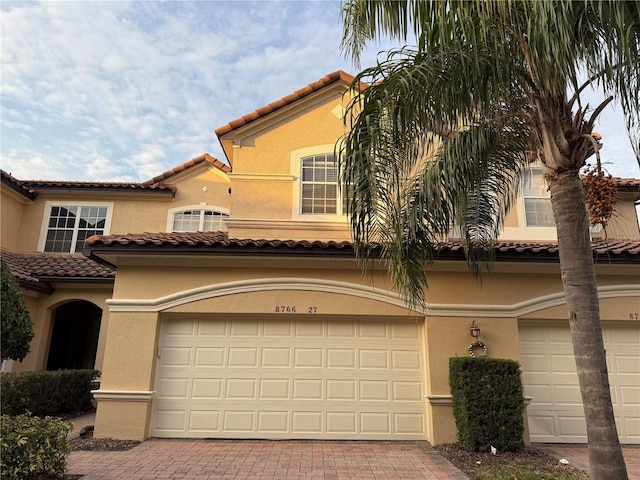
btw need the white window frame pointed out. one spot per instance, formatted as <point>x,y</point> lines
<point>71,203</point>
<point>189,208</point>
<point>296,171</point>
<point>528,180</point>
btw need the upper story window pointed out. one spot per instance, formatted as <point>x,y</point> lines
<point>69,225</point>
<point>198,220</point>
<point>537,203</point>
<point>320,190</point>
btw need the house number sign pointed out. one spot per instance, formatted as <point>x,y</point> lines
<point>294,309</point>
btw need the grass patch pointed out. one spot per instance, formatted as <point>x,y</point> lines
<point>507,472</point>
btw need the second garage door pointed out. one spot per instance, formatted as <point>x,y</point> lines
<point>290,378</point>
<point>549,374</point>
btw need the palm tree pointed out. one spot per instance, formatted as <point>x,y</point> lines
<point>445,130</point>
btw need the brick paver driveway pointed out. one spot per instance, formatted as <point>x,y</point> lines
<point>263,459</point>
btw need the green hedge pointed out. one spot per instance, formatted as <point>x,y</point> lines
<point>47,393</point>
<point>488,403</point>
<point>33,447</point>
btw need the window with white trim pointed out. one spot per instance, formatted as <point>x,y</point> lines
<point>320,192</point>
<point>200,220</point>
<point>70,225</point>
<point>537,203</point>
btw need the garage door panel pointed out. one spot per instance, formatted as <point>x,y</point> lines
<point>296,379</point>
<point>375,423</point>
<point>341,422</point>
<point>239,421</point>
<point>240,388</point>
<point>209,357</point>
<point>341,358</point>
<point>341,330</point>
<point>309,329</point>
<point>555,413</point>
<point>407,391</point>
<point>408,423</point>
<point>374,390</point>
<point>375,359</point>
<point>307,389</point>
<point>273,422</point>
<point>341,390</point>
<point>211,329</point>
<point>375,331</point>
<point>274,389</point>
<point>243,357</point>
<point>170,420</point>
<point>277,328</point>
<point>307,422</point>
<point>628,364</point>
<point>563,363</point>
<point>406,360</point>
<point>629,395</point>
<point>631,428</point>
<point>206,388</point>
<point>204,421</point>
<point>174,387</point>
<point>176,357</point>
<point>566,395</point>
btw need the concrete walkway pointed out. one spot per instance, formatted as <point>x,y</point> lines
<point>578,456</point>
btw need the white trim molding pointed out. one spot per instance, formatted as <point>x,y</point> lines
<point>523,308</point>
<point>257,285</point>
<point>329,286</point>
<point>123,395</point>
<point>261,177</point>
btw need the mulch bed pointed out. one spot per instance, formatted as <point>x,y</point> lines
<point>469,462</point>
<point>88,443</point>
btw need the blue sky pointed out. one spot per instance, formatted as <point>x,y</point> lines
<point>123,91</point>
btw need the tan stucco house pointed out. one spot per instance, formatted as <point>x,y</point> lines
<point>221,299</point>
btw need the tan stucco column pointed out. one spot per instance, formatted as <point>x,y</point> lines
<point>447,337</point>
<point>125,395</point>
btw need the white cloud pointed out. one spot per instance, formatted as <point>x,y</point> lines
<point>127,90</point>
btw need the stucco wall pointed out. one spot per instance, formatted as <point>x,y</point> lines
<point>11,211</point>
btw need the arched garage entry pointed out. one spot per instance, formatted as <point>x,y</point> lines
<point>306,359</point>
<point>74,339</point>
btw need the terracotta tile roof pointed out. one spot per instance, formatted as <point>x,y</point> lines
<point>16,185</point>
<point>209,239</point>
<point>205,157</point>
<point>207,242</point>
<point>600,247</point>
<point>628,184</point>
<point>37,270</point>
<point>95,186</point>
<point>325,81</point>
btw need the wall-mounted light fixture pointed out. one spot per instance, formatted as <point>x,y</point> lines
<point>474,330</point>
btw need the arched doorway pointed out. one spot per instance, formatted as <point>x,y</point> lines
<point>74,339</point>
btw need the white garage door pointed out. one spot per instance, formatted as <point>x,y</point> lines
<point>290,378</point>
<point>555,413</point>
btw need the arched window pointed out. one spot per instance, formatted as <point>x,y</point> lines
<point>198,219</point>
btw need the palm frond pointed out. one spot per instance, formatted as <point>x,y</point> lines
<point>419,158</point>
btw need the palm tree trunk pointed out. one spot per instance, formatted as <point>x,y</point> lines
<point>581,294</point>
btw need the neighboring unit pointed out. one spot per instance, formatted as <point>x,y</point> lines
<point>223,300</point>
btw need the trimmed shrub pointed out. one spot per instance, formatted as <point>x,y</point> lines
<point>47,393</point>
<point>488,403</point>
<point>33,447</point>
